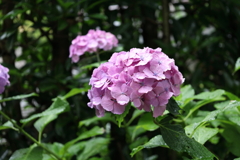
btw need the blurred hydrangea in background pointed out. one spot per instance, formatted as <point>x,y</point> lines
<point>91,42</point>
<point>4,76</point>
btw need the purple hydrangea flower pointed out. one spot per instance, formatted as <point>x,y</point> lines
<point>94,40</point>
<point>146,77</point>
<point>4,76</point>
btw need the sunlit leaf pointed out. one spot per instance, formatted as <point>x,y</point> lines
<point>210,95</point>
<point>237,65</point>
<point>156,141</point>
<point>146,122</point>
<point>58,106</point>
<point>212,115</point>
<point>93,147</point>
<point>202,134</point>
<point>8,125</point>
<point>27,154</point>
<point>18,97</point>
<point>75,91</point>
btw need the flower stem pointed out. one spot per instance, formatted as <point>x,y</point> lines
<point>29,136</point>
<point>98,57</point>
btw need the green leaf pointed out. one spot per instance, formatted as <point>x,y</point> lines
<point>62,25</point>
<point>108,117</point>
<point>233,115</point>
<point>232,96</point>
<point>8,125</point>
<point>173,107</point>
<point>136,113</point>
<point>41,123</point>
<point>120,117</point>
<point>202,134</point>
<point>187,93</point>
<point>96,3</point>
<point>18,97</point>
<point>75,148</point>
<point>210,95</point>
<point>12,14</point>
<point>93,147</point>
<point>27,154</point>
<point>93,65</point>
<point>231,135</point>
<point>176,139</point>
<point>93,132</point>
<point>212,115</point>
<point>98,16</point>
<point>134,131</point>
<point>156,141</point>
<point>139,141</point>
<point>75,91</point>
<point>207,98</point>
<point>146,122</point>
<point>57,107</point>
<point>55,148</point>
<point>237,65</point>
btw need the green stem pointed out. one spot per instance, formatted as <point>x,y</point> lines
<point>98,58</point>
<point>29,136</point>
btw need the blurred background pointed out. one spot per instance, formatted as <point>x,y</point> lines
<point>203,37</point>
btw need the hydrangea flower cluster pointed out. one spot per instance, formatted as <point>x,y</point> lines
<point>147,77</point>
<point>91,42</point>
<point>4,76</point>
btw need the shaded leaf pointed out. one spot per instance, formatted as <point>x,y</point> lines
<point>41,123</point>
<point>108,117</point>
<point>98,16</point>
<point>120,117</point>
<point>173,107</point>
<point>176,139</point>
<point>93,132</point>
<point>231,135</point>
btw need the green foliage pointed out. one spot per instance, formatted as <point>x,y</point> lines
<point>52,92</point>
<point>156,141</point>
<point>18,97</point>
<point>176,139</point>
<point>237,65</point>
<point>58,106</point>
<point>28,154</point>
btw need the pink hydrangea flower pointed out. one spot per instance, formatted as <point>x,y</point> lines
<point>91,42</point>
<point>146,77</point>
<point>4,76</point>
